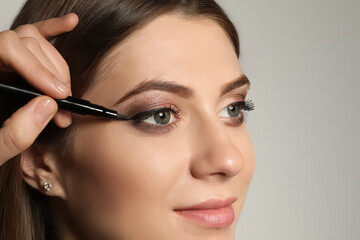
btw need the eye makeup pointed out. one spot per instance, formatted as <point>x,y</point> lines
<point>236,109</point>
<point>165,111</point>
<point>241,108</point>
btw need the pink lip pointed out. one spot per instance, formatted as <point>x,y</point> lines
<point>211,213</point>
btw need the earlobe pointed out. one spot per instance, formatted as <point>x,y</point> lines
<point>40,170</point>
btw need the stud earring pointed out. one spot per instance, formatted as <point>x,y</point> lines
<point>47,186</point>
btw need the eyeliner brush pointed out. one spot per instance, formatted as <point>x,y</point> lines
<point>70,104</point>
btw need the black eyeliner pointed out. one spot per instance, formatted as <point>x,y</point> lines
<point>143,115</point>
<point>248,105</point>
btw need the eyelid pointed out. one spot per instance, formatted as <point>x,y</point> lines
<point>141,115</point>
<point>156,129</point>
<point>233,97</point>
<point>232,103</point>
<point>237,93</point>
<point>173,117</point>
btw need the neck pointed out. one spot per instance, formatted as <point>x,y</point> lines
<point>64,224</point>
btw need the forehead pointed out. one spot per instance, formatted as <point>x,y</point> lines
<point>173,47</point>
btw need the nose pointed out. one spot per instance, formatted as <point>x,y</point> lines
<point>214,153</point>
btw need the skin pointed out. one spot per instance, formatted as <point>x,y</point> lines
<point>26,52</point>
<point>125,181</point>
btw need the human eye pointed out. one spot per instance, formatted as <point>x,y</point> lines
<point>157,120</point>
<point>235,112</point>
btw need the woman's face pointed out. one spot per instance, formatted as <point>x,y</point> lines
<point>128,177</point>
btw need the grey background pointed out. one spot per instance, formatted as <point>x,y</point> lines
<point>302,57</point>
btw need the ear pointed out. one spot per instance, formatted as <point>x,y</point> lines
<point>39,166</point>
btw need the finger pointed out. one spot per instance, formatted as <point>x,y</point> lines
<point>18,57</point>
<point>22,128</point>
<point>55,26</point>
<point>62,118</point>
<point>34,46</point>
<point>48,28</point>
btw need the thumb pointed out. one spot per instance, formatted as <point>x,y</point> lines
<point>22,128</point>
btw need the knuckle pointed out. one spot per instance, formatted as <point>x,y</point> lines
<point>8,37</point>
<point>30,43</point>
<point>26,30</point>
<point>14,138</point>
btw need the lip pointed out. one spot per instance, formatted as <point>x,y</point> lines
<point>213,213</point>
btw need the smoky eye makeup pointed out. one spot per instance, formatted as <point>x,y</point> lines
<point>161,118</point>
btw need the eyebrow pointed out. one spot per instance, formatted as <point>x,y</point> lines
<point>179,90</point>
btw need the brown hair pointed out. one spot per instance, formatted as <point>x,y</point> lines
<point>102,25</point>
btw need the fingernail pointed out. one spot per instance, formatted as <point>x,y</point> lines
<point>44,110</point>
<point>61,86</point>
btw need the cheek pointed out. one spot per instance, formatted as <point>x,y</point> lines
<point>136,165</point>
<point>124,175</point>
<point>244,143</point>
<point>242,140</point>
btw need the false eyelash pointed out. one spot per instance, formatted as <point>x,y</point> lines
<point>247,105</point>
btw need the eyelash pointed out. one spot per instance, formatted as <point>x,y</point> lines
<point>138,119</point>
